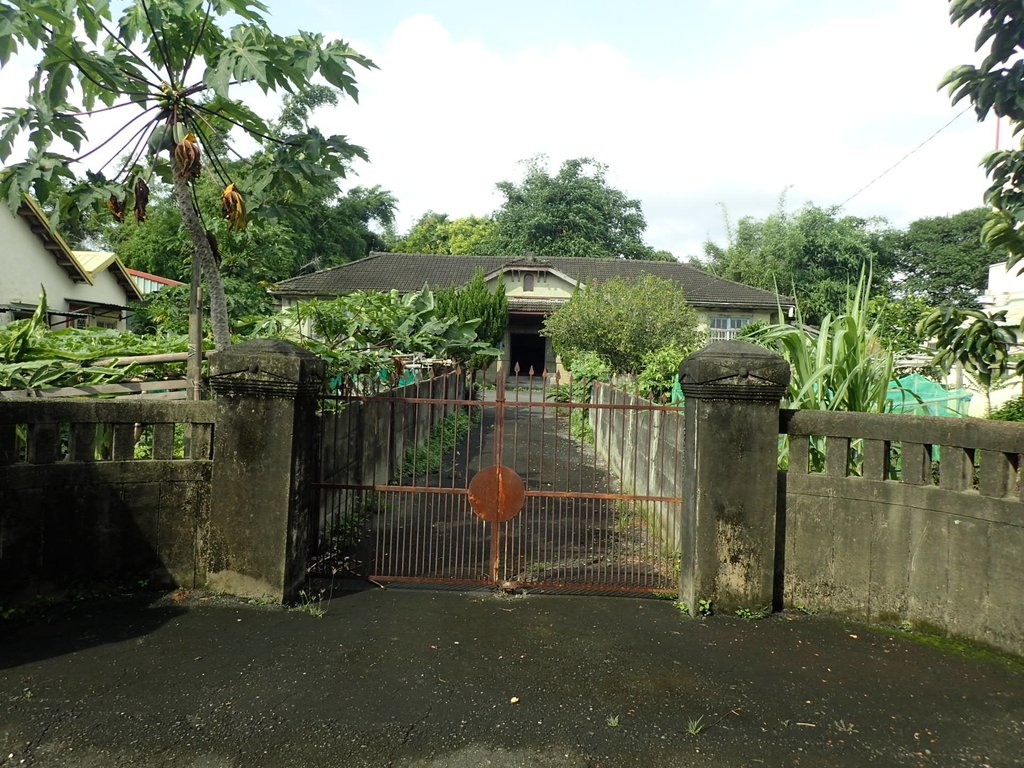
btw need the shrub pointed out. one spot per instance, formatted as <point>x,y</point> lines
<point>622,320</point>
<point>660,370</point>
<point>1011,411</point>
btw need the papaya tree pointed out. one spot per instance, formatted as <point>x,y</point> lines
<point>175,77</point>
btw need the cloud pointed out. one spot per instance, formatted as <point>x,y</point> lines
<point>824,109</point>
<point>821,108</point>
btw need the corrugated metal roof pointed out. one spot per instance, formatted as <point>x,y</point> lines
<point>95,262</point>
<point>409,272</point>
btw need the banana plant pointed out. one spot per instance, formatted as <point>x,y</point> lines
<point>362,331</point>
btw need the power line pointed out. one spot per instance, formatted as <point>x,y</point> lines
<point>891,167</point>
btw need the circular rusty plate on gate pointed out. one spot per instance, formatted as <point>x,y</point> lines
<point>497,494</point>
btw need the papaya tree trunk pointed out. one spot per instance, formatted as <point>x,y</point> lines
<point>203,253</point>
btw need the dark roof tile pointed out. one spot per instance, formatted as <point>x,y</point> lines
<point>409,272</point>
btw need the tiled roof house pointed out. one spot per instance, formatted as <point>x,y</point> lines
<point>536,287</point>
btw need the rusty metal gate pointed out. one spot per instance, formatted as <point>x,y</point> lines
<point>448,482</point>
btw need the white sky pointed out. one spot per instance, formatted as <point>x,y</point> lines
<point>690,104</point>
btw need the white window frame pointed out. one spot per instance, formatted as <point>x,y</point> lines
<point>726,327</point>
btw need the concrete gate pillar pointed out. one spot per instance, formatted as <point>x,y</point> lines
<point>264,465</point>
<point>730,479</point>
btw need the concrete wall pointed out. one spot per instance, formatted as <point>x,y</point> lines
<point>643,448</point>
<point>77,508</point>
<point>364,443</point>
<point>907,518</point>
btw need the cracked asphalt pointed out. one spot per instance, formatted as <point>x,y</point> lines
<point>430,678</point>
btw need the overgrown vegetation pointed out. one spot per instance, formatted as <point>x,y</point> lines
<point>442,438</point>
<point>660,371</point>
<point>586,368</point>
<point>349,528</point>
<point>361,332</point>
<point>356,334</point>
<point>981,342</point>
<point>623,320</point>
<point>33,355</point>
<point>1011,411</point>
<point>841,365</point>
<point>475,301</point>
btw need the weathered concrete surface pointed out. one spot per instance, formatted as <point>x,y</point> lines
<point>729,478</point>
<point>408,678</point>
<point>265,465</point>
<point>77,508</point>
<point>942,551</point>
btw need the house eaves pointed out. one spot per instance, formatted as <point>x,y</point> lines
<point>52,242</point>
<point>409,272</point>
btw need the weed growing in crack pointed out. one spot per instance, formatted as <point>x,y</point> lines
<point>309,603</point>
<point>754,614</point>
<point>844,727</point>
<point>695,726</point>
<point>612,721</point>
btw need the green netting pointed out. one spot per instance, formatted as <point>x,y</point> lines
<point>677,392</point>
<point>918,395</point>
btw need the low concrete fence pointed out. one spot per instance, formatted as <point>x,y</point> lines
<point>880,517</point>
<point>895,518</point>
<point>103,491</point>
<point>643,449</point>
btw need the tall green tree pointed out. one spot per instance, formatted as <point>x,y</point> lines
<point>997,86</point>
<point>332,231</point>
<point>572,213</point>
<point>171,70</point>
<point>896,321</point>
<point>624,320</point>
<point>944,260</point>
<point>436,233</point>
<point>814,255</point>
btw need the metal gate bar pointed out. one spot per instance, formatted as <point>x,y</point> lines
<point>576,531</point>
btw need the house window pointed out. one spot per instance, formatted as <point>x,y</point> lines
<point>528,282</point>
<point>725,327</point>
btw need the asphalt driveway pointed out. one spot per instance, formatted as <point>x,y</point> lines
<point>426,678</point>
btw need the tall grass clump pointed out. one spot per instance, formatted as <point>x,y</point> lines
<point>840,366</point>
<point>442,438</point>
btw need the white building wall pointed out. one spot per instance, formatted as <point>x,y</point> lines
<point>25,265</point>
<point>1005,291</point>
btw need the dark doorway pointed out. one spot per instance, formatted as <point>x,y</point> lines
<point>526,349</point>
